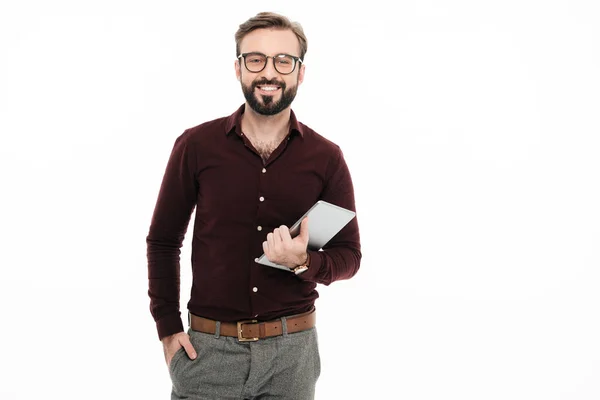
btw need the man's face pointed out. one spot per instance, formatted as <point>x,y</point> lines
<point>269,92</point>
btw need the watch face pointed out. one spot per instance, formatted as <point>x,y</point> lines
<point>300,270</point>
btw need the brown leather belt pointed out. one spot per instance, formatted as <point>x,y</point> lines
<point>252,330</point>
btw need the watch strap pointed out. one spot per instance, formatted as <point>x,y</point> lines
<point>302,268</point>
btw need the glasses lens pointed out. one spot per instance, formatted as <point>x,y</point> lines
<point>255,62</point>
<point>284,63</point>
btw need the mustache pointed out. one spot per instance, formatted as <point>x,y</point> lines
<point>262,82</point>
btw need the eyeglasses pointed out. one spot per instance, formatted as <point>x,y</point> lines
<point>283,63</point>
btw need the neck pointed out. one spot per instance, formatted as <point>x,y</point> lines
<point>265,126</point>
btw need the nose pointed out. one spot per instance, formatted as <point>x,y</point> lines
<point>270,72</point>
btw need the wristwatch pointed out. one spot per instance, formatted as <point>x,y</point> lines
<point>302,268</point>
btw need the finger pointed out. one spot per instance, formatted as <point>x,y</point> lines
<point>278,240</point>
<point>266,250</point>
<point>277,235</point>
<point>271,241</point>
<point>285,234</point>
<point>187,346</point>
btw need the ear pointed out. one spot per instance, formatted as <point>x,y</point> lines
<point>238,71</point>
<point>301,74</point>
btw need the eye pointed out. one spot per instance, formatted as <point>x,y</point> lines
<point>284,60</point>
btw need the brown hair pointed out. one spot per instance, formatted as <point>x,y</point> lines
<point>270,20</point>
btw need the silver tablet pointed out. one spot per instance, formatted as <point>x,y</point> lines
<point>325,220</point>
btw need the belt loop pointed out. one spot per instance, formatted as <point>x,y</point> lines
<point>189,319</point>
<point>218,329</point>
<point>284,331</point>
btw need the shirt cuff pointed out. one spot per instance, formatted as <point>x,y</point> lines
<point>314,266</point>
<point>169,325</point>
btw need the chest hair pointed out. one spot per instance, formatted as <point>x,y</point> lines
<point>265,148</point>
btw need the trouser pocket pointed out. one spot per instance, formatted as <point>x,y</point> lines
<point>175,358</point>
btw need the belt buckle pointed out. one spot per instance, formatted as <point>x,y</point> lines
<point>239,330</point>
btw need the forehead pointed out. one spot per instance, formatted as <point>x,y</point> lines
<point>270,42</point>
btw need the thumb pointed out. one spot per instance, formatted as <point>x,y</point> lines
<point>184,341</point>
<point>304,229</point>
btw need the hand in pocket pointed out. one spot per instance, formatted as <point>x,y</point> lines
<point>176,341</point>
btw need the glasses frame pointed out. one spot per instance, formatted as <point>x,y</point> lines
<point>296,61</point>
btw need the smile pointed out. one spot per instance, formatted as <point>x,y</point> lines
<point>268,89</point>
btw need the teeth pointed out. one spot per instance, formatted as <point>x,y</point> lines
<point>269,88</point>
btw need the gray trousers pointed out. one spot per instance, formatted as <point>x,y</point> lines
<point>281,367</point>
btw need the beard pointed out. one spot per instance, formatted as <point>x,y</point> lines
<point>268,106</point>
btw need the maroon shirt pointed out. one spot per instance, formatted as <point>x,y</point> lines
<point>239,199</point>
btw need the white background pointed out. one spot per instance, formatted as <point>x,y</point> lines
<point>471,130</point>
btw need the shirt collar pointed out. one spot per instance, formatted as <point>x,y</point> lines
<point>233,122</point>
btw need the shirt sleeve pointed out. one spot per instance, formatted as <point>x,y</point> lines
<point>170,220</point>
<point>340,258</point>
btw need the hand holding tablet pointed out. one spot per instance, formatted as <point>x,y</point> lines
<point>325,221</point>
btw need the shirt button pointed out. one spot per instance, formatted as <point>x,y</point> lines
<point>255,289</point>
<point>259,228</point>
<point>264,170</point>
<point>261,198</point>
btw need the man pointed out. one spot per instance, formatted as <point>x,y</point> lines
<point>252,327</point>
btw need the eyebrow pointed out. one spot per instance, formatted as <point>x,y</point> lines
<point>276,54</point>
<point>260,52</point>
